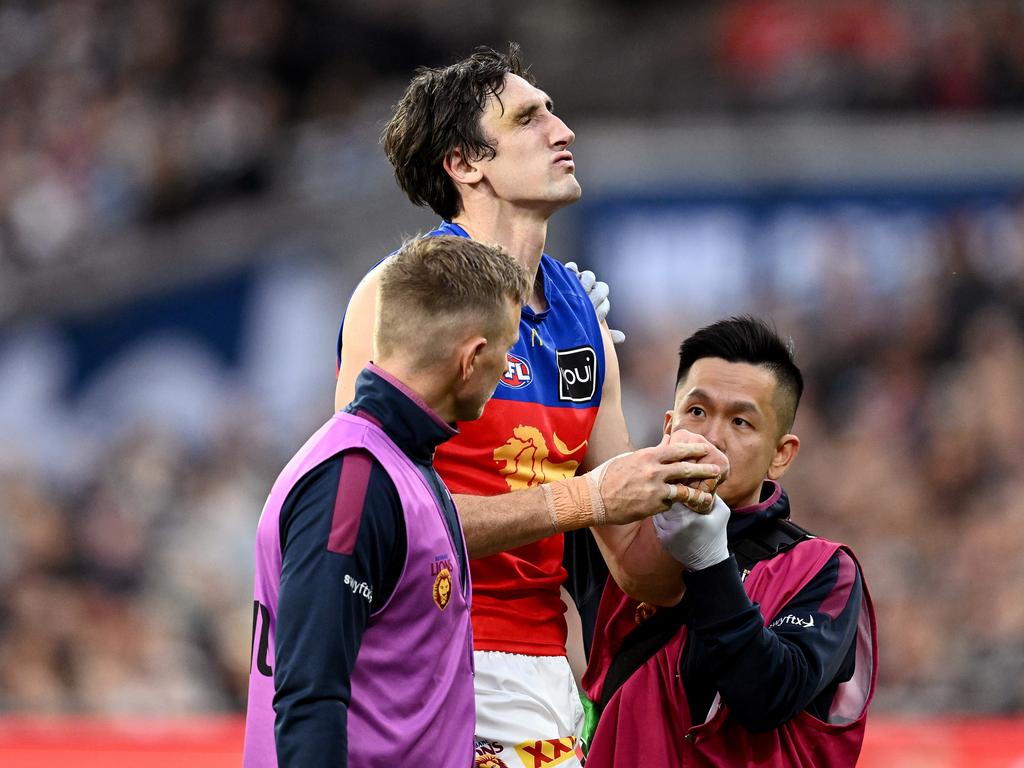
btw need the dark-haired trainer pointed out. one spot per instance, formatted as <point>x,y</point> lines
<point>770,658</point>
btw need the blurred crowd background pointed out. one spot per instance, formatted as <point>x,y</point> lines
<point>190,190</point>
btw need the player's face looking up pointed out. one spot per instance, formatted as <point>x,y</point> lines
<point>488,364</point>
<point>736,406</point>
<point>532,165</point>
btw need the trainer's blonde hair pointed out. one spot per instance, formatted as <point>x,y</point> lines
<point>435,288</point>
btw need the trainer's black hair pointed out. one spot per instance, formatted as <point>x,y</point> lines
<point>747,339</point>
<point>440,112</point>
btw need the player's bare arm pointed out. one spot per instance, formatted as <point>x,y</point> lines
<point>357,336</point>
<point>635,557</point>
<point>640,481</point>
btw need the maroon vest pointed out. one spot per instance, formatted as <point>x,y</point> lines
<point>647,721</point>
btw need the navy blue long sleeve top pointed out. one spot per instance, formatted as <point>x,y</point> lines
<point>766,675</point>
<point>329,594</point>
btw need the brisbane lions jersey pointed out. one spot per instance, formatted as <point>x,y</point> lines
<point>535,429</point>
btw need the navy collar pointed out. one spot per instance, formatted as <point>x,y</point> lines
<point>410,423</point>
<point>745,521</point>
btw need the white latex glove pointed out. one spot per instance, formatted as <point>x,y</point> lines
<point>695,540</point>
<point>597,292</point>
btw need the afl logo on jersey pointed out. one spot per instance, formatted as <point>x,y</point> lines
<point>577,374</point>
<point>517,374</point>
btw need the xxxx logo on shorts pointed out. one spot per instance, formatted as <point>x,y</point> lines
<point>547,753</point>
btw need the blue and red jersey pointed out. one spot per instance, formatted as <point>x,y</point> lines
<point>535,429</point>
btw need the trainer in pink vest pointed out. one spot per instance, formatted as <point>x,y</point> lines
<point>412,686</point>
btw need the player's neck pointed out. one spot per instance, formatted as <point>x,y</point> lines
<point>520,234</point>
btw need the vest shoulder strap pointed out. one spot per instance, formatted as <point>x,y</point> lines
<point>769,542</point>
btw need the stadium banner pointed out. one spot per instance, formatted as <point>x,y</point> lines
<point>216,741</point>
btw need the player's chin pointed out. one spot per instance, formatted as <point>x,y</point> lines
<point>470,413</point>
<point>473,410</point>
<point>567,192</point>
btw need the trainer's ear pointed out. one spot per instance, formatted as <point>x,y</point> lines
<point>469,351</point>
<point>461,170</point>
<point>785,451</point>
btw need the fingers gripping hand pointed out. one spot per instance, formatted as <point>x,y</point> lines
<point>712,456</point>
<point>636,485</point>
<point>598,292</point>
<point>695,540</point>
<point>699,496</point>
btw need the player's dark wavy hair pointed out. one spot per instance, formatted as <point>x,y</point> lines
<point>439,112</point>
<point>747,339</point>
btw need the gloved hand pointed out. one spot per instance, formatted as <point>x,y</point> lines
<point>695,540</point>
<point>597,292</point>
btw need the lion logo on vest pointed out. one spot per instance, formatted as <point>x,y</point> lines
<point>528,459</point>
<point>443,588</point>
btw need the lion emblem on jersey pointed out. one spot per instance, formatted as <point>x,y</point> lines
<point>528,460</point>
<point>489,761</point>
<point>443,588</point>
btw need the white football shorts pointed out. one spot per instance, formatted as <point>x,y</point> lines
<point>528,712</point>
